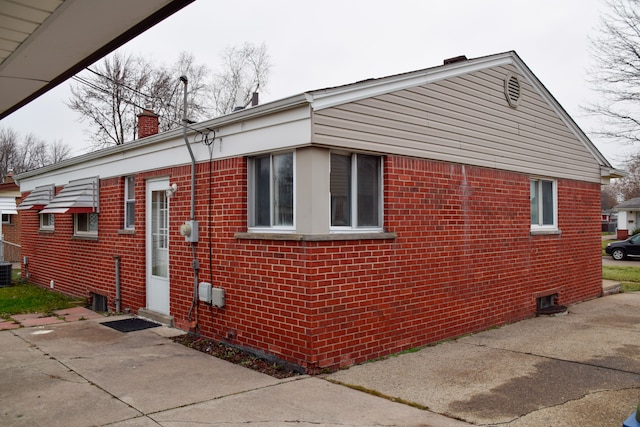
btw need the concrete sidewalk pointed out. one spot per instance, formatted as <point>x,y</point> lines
<point>82,373</point>
<point>580,369</point>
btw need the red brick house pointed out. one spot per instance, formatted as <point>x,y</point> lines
<point>10,196</point>
<point>338,225</point>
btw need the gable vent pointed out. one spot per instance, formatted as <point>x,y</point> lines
<point>512,90</point>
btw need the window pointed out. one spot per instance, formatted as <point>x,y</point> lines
<point>356,191</point>
<point>47,221</point>
<point>85,224</point>
<point>543,204</point>
<point>271,186</point>
<point>6,218</point>
<point>129,201</point>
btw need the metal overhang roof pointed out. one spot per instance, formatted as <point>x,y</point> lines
<point>44,43</point>
<point>38,198</point>
<point>78,196</point>
<point>8,205</point>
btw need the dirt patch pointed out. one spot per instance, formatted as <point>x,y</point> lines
<point>235,355</point>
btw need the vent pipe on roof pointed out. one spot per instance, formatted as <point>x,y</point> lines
<point>455,59</point>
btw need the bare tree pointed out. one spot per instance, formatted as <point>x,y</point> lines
<point>106,97</point>
<point>608,198</point>
<point>30,153</point>
<point>616,75</point>
<point>110,94</point>
<point>244,71</point>
<point>58,151</point>
<point>8,150</point>
<point>629,187</point>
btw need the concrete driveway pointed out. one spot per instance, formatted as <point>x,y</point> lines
<point>580,369</point>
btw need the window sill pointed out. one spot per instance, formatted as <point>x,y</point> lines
<point>542,232</point>
<point>45,231</point>
<point>81,237</point>
<point>316,237</point>
<point>125,231</point>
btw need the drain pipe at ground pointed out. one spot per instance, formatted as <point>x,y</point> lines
<point>195,263</point>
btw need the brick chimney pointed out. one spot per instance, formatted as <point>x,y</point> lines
<point>147,123</point>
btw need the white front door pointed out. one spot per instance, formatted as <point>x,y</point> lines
<point>157,238</point>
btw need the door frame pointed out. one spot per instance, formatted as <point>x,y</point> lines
<point>157,288</point>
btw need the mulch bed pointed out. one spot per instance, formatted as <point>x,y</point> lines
<point>234,355</point>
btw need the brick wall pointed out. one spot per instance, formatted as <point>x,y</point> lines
<point>463,261</point>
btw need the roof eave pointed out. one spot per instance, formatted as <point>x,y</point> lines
<point>227,119</point>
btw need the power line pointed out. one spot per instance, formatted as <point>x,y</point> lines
<point>126,100</point>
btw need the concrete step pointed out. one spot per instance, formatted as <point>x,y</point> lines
<point>163,319</point>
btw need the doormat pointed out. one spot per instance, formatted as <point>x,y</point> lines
<point>130,325</point>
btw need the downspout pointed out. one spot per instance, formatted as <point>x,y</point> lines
<point>192,217</point>
<point>117,260</point>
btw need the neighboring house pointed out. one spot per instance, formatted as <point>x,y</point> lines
<point>628,216</point>
<point>10,197</point>
<point>609,220</point>
<point>338,225</point>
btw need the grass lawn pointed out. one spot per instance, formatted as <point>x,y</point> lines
<point>629,277</point>
<point>26,298</point>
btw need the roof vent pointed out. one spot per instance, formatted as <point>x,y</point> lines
<point>512,90</point>
<point>454,59</point>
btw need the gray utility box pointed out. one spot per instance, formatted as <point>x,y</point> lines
<point>210,295</point>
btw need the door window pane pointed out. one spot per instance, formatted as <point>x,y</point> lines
<point>159,234</point>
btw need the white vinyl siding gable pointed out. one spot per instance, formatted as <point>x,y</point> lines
<point>464,119</point>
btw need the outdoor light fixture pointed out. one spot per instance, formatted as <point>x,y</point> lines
<point>172,190</point>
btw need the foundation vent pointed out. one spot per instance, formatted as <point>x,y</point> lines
<point>98,302</point>
<point>546,305</point>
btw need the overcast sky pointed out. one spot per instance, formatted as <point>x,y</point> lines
<point>326,43</point>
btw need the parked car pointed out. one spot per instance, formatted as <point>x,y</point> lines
<point>622,249</point>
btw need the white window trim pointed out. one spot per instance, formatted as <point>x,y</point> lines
<point>354,195</point>
<point>127,201</point>
<point>251,194</point>
<point>77,232</point>
<point>46,227</point>
<point>541,227</point>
